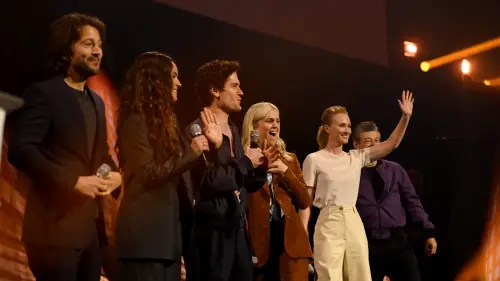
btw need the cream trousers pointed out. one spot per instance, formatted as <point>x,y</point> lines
<point>340,245</point>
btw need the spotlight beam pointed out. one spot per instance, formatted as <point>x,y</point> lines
<point>493,82</point>
<point>467,52</point>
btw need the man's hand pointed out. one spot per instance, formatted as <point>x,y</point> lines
<point>431,246</point>
<point>199,145</point>
<point>255,155</point>
<point>112,180</point>
<point>90,186</point>
<point>211,129</point>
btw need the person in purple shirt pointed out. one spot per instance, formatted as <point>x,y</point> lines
<point>386,195</point>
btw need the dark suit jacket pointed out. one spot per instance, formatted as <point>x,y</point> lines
<point>216,205</point>
<point>149,219</point>
<point>291,194</point>
<point>218,216</point>
<point>49,144</point>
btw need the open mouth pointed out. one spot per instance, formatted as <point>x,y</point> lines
<point>273,133</point>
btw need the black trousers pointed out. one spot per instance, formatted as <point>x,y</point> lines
<point>57,263</point>
<point>271,270</point>
<point>149,270</point>
<point>221,255</point>
<point>393,257</point>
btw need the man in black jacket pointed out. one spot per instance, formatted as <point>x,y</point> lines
<point>59,142</point>
<point>221,244</point>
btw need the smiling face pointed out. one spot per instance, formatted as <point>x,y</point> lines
<point>87,52</point>
<point>367,139</point>
<point>339,129</point>
<point>269,127</point>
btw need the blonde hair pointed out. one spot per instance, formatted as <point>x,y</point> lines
<point>254,114</point>
<point>326,118</point>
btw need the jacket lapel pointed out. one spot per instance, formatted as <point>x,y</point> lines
<point>101,132</point>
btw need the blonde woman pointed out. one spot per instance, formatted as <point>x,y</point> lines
<point>340,244</point>
<point>278,235</point>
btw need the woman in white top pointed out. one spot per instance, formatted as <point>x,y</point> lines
<point>340,244</point>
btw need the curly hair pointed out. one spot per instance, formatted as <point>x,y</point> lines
<point>147,91</point>
<point>213,75</point>
<point>64,32</point>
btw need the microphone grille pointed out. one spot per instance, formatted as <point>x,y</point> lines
<point>254,134</point>
<point>103,170</point>
<point>195,130</point>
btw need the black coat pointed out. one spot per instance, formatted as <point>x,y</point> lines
<point>156,199</point>
<point>50,145</point>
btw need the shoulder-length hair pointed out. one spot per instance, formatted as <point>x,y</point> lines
<point>254,114</point>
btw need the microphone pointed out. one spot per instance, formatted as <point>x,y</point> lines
<point>103,171</point>
<point>195,131</point>
<point>254,139</point>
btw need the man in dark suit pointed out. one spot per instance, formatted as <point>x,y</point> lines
<point>221,244</point>
<point>59,142</point>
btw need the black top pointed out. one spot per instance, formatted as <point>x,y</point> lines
<point>89,115</point>
<point>376,180</point>
<point>216,205</point>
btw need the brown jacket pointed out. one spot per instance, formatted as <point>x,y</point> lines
<point>287,187</point>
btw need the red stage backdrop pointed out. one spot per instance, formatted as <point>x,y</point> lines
<point>14,187</point>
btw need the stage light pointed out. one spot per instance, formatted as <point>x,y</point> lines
<point>467,52</point>
<point>410,49</point>
<point>492,82</point>
<point>465,66</point>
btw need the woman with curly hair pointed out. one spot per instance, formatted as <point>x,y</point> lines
<point>154,159</point>
<point>278,233</point>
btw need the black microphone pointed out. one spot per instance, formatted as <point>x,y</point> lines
<point>254,139</point>
<point>103,171</point>
<point>195,131</point>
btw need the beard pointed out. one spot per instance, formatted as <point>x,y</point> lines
<point>84,69</point>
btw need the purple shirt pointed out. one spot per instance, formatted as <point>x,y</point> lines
<point>397,199</point>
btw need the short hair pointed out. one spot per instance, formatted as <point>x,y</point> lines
<point>254,114</point>
<point>326,119</point>
<point>213,75</point>
<point>366,126</point>
<point>64,32</point>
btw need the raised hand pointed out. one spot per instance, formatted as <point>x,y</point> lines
<point>211,129</point>
<point>406,103</point>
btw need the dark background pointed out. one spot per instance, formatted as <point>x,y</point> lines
<point>453,136</point>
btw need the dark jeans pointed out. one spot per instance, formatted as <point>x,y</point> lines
<point>393,257</point>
